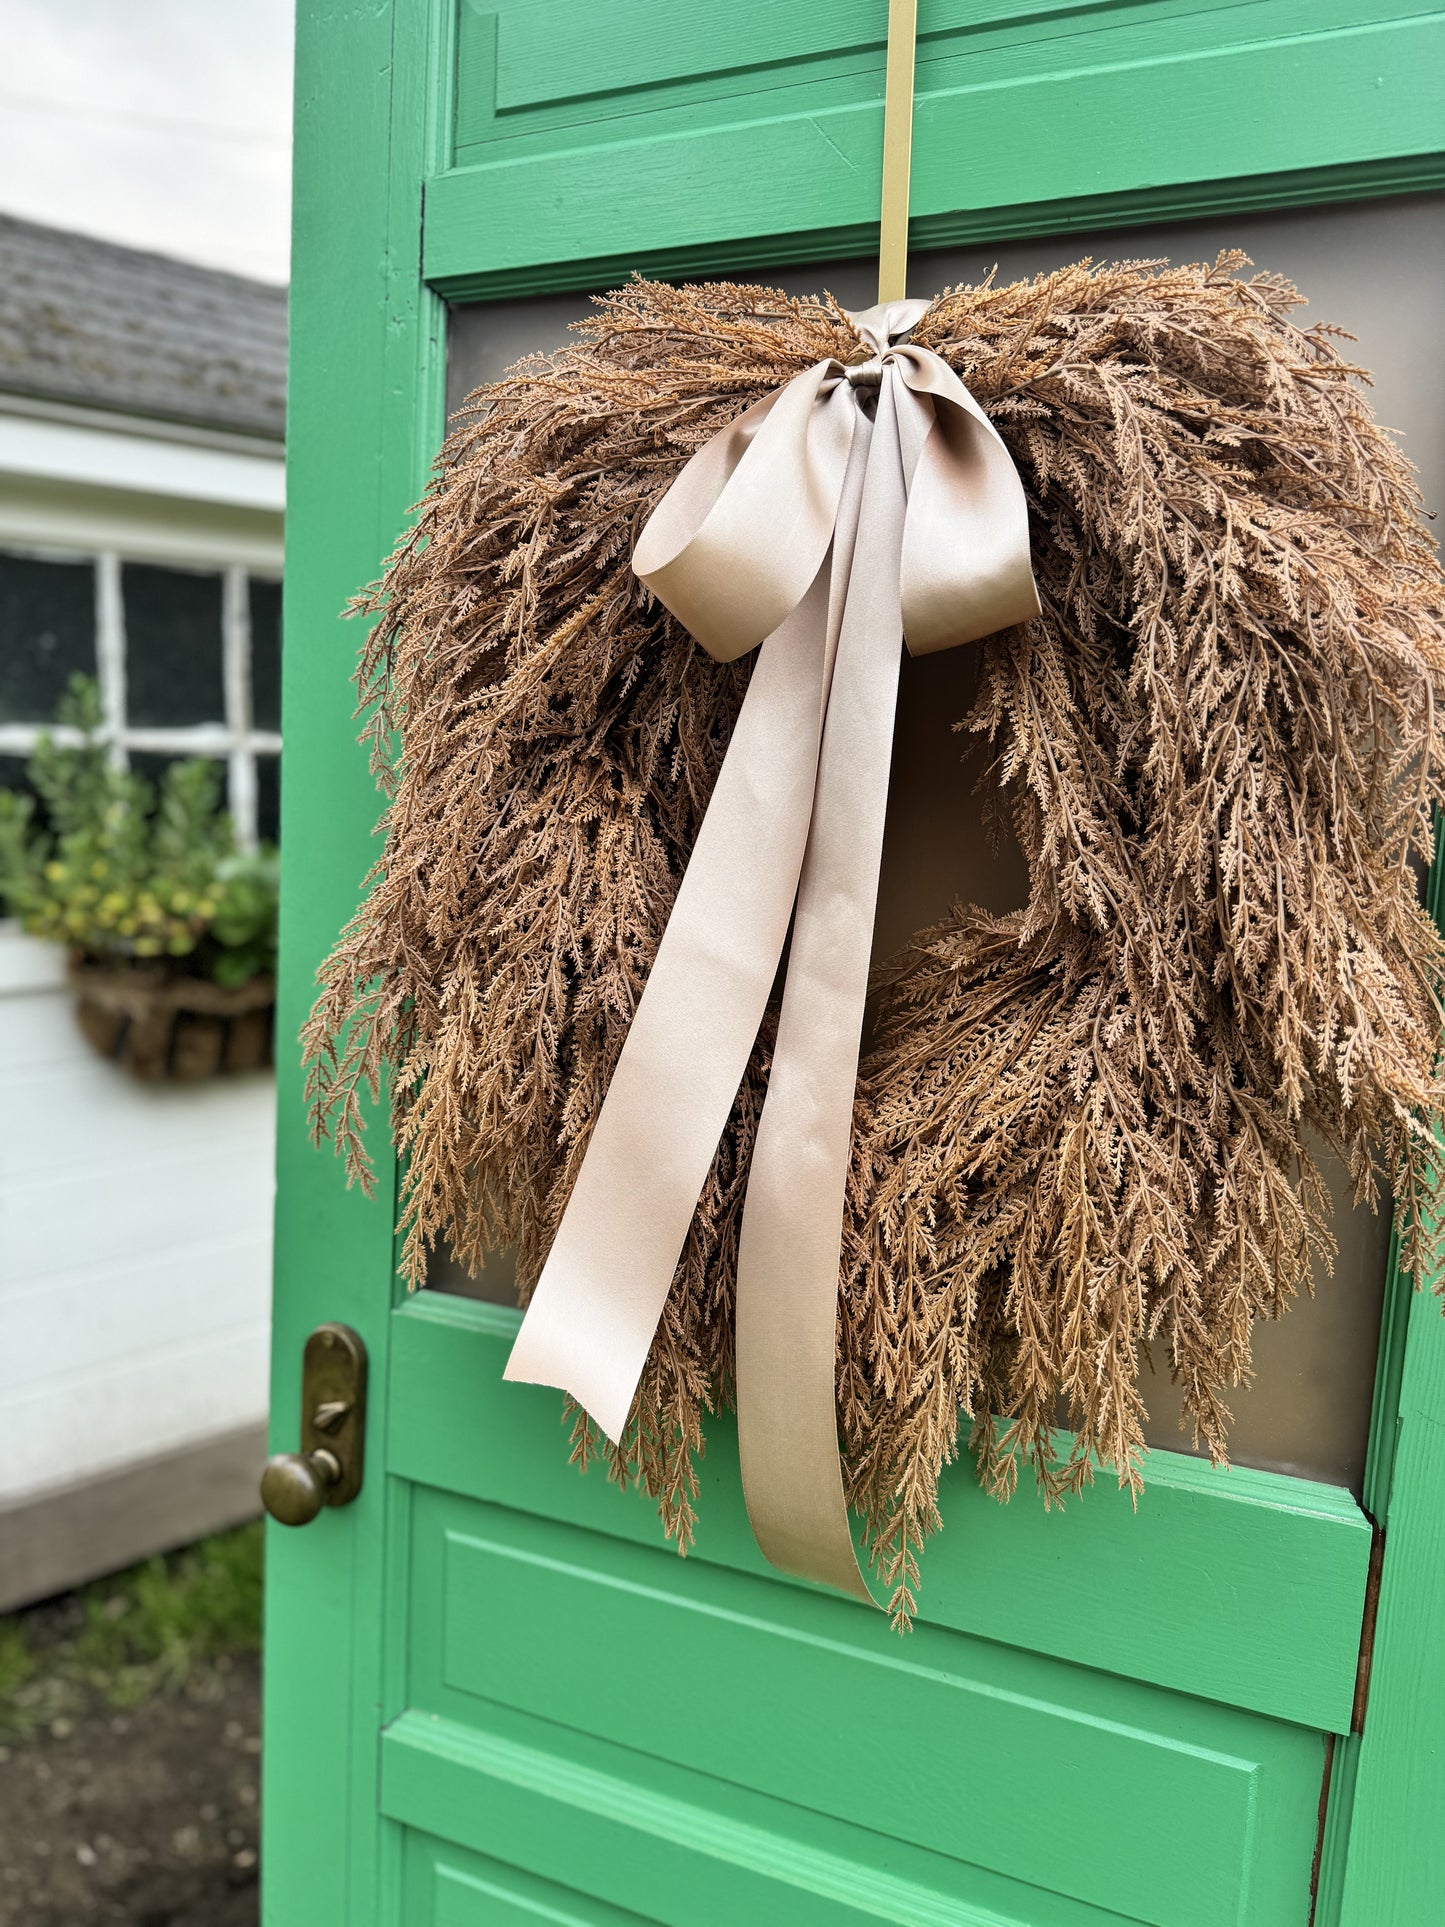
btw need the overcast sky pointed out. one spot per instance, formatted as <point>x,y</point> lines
<point>164,124</point>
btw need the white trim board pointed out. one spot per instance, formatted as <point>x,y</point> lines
<point>79,518</point>
<point>126,457</point>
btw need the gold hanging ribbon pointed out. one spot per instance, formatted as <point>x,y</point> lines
<point>851,508</point>
<point>897,149</point>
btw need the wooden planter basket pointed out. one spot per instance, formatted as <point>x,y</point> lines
<point>159,1026</point>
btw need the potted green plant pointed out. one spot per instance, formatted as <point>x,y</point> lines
<point>169,926</point>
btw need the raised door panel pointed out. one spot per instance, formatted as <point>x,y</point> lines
<point>446,1886</point>
<point>672,1847</point>
<point>599,134</point>
<point>575,1668</point>
<point>667,1846</point>
<point>1241,1586</point>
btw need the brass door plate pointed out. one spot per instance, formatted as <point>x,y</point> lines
<point>333,1405</point>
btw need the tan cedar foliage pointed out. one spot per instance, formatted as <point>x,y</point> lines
<point>1080,1128</point>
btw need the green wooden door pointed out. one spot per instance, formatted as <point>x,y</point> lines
<point>493,1695</point>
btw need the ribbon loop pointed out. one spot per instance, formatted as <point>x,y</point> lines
<point>827,534</point>
<point>688,552</point>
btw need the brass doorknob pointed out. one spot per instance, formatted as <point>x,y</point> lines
<point>295,1485</point>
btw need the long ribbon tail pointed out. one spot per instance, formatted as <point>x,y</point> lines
<point>600,1297</point>
<point>927,519</point>
<point>788,1260</point>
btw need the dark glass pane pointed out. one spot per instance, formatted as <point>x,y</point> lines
<point>268,798</point>
<point>172,646</point>
<point>496,1285</point>
<point>12,774</point>
<point>152,765</point>
<point>265,654</point>
<point>1372,268</point>
<point>47,633</point>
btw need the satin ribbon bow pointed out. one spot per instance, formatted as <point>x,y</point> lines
<point>852,507</point>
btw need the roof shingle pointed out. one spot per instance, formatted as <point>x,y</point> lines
<point>86,321</point>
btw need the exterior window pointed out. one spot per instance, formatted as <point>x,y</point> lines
<point>188,662</point>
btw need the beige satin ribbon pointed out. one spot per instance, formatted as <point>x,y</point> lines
<point>828,531</point>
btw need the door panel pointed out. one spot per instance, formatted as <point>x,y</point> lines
<point>789,1693</point>
<point>448,1887</point>
<point>605,141</point>
<point>1378,271</point>
<point>679,1847</point>
<point>1239,1586</point>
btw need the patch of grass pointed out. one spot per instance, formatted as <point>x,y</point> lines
<point>150,1630</point>
<point>151,1627</point>
<point>17,1662</point>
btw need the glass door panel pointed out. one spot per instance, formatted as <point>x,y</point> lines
<point>1377,269</point>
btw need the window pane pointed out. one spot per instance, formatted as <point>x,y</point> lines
<point>496,1285</point>
<point>1373,268</point>
<point>153,764</point>
<point>265,654</point>
<point>268,798</point>
<point>172,646</point>
<point>47,633</point>
<point>12,774</point>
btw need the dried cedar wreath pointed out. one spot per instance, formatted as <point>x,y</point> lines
<point>1081,1128</point>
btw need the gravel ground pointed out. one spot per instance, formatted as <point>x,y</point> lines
<point>145,1815</point>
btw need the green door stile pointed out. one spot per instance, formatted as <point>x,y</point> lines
<point>435,1751</point>
<point>1382,1848</point>
<point>364,414</point>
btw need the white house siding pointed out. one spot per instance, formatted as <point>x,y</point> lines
<point>141,411</point>
<point>135,1247</point>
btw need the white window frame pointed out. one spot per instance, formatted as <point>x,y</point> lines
<point>236,741</point>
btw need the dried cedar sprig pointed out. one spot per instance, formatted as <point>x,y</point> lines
<point>1080,1128</point>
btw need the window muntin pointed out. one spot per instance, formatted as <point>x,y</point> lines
<point>188,662</point>
<point>264,614</point>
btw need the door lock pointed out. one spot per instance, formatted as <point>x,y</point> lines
<point>327,1470</point>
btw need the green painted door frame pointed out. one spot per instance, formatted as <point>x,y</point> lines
<point>452,149</point>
